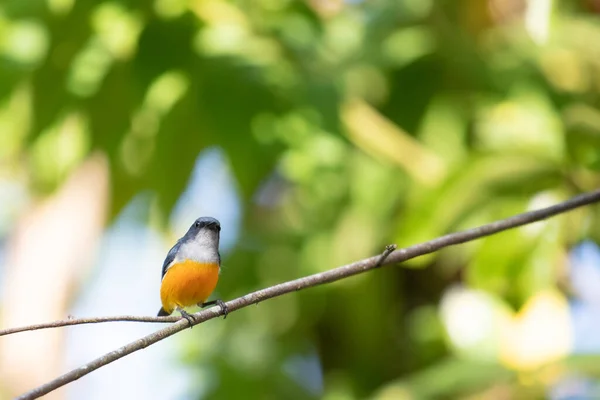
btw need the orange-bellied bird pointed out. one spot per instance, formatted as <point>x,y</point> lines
<point>191,270</point>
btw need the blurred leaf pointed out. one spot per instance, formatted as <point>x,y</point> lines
<point>453,378</point>
<point>346,125</point>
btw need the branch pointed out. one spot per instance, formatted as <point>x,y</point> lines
<point>80,321</point>
<point>388,257</point>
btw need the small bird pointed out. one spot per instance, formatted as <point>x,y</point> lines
<point>191,270</point>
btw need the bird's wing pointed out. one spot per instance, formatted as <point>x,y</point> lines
<point>170,257</point>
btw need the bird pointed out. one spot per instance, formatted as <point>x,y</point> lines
<point>191,270</point>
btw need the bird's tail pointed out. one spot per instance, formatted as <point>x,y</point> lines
<point>163,313</point>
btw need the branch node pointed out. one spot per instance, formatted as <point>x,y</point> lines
<point>388,250</point>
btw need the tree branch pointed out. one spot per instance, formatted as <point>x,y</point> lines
<point>388,257</point>
<point>80,321</point>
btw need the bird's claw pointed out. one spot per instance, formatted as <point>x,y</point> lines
<point>220,303</point>
<point>189,317</point>
<point>224,308</point>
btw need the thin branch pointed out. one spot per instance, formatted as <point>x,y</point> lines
<point>317,279</point>
<point>127,318</point>
<point>80,321</point>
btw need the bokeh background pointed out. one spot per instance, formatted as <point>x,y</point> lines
<point>317,131</point>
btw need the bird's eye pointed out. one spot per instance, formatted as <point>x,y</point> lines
<point>197,224</point>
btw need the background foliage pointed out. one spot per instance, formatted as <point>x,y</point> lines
<point>346,126</point>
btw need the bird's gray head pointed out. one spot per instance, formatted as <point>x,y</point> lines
<point>201,242</point>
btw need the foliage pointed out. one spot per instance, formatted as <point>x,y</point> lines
<point>347,126</point>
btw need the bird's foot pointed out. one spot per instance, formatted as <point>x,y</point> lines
<point>220,303</point>
<point>189,317</point>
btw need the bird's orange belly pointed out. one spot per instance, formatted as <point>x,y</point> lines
<point>188,283</point>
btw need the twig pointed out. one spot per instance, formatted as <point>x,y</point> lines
<point>129,318</point>
<point>388,250</point>
<point>317,279</point>
<point>80,321</point>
